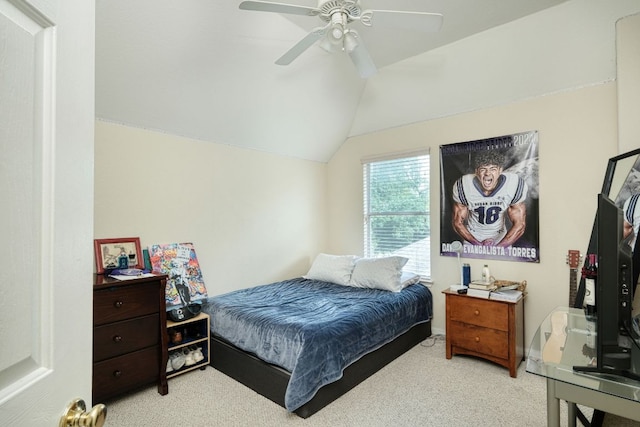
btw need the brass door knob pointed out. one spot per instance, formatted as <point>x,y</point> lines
<point>76,416</point>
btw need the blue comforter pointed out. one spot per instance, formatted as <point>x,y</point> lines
<point>315,329</point>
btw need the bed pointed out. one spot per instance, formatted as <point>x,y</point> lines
<point>303,342</point>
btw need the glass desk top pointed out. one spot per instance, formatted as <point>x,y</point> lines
<point>566,339</point>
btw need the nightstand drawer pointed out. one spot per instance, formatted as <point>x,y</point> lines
<point>481,340</point>
<point>476,311</point>
<point>125,302</point>
<point>113,376</point>
<point>123,337</point>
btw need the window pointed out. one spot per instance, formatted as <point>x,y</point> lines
<point>396,209</point>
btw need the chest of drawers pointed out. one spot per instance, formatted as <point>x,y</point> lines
<point>493,330</point>
<point>129,339</point>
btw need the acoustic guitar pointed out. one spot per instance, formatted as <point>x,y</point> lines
<point>573,259</point>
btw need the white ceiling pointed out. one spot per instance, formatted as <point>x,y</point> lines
<point>205,69</point>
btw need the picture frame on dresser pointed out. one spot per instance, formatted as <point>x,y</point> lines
<point>107,252</point>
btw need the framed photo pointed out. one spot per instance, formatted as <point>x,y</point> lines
<point>111,253</point>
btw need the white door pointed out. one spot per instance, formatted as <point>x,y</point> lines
<point>46,207</point>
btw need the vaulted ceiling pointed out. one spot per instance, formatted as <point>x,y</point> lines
<point>205,69</point>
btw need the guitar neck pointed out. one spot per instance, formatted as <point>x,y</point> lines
<point>573,286</point>
<point>573,259</point>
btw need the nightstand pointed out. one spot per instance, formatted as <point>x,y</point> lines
<point>129,335</point>
<point>490,329</point>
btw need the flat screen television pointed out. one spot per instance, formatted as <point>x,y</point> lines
<point>614,293</point>
<point>621,181</point>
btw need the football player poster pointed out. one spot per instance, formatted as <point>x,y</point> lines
<point>489,198</point>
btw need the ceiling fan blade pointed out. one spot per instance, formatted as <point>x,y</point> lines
<point>360,56</point>
<point>415,21</point>
<point>266,6</point>
<point>304,44</point>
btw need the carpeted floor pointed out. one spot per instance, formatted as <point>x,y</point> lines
<point>421,388</point>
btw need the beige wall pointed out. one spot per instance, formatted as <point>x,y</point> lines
<point>253,217</point>
<point>577,132</point>
<point>628,67</point>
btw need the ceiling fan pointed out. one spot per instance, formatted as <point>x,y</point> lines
<point>336,34</point>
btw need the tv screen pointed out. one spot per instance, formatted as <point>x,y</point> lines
<point>614,292</point>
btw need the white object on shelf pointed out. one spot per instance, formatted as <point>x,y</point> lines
<point>486,275</point>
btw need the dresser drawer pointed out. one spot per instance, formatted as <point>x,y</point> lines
<point>113,376</point>
<point>476,311</point>
<point>123,337</point>
<point>481,340</point>
<point>124,302</point>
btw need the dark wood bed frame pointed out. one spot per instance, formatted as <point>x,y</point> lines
<point>271,381</point>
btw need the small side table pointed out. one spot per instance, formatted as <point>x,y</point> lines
<point>490,329</point>
<point>194,333</point>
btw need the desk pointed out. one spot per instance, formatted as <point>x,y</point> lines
<point>564,340</point>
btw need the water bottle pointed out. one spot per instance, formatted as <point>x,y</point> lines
<point>466,274</point>
<point>590,274</point>
<point>486,276</point>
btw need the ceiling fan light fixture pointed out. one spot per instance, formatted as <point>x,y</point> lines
<point>350,41</point>
<point>336,32</point>
<point>327,45</point>
<point>337,29</point>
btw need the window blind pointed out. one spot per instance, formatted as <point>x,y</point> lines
<point>396,209</point>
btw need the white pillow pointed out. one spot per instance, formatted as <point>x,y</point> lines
<point>407,278</point>
<point>332,268</point>
<point>379,273</point>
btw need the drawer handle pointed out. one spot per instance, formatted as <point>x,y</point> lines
<point>117,338</point>
<point>117,373</point>
<point>477,312</point>
<point>477,339</point>
<point>118,304</point>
